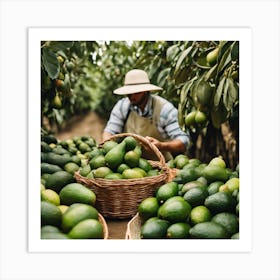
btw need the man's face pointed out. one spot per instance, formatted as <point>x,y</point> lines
<point>138,99</point>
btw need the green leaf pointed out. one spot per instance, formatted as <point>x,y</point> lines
<point>233,90</point>
<point>219,116</point>
<point>223,47</point>
<point>182,58</point>
<point>181,76</point>
<point>211,72</point>
<point>155,66</point>
<point>172,52</point>
<point>162,77</point>
<point>58,116</point>
<point>235,50</point>
<point>67,83</point>
<point>51,63</point>
<point>226,95</point>
<point>60,45</point>
<point>184,93</point>
<point>225,60</point>
<point>219,91</point>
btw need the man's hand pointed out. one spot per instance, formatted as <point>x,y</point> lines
<point>156,142</point>
<point>175,146</point>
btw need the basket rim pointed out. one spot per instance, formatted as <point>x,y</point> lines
<point>128,227</point>
<point>143,140</point>
<point>105,226</point>
<point>102,182</point>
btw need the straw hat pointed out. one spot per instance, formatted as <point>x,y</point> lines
<point>136,81</point>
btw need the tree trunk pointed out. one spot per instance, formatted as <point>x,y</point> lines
<point>217,142</point>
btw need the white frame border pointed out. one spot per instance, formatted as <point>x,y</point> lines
<point>36,35</point>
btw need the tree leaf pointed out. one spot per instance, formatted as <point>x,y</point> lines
<point>226,95</point>
<point>67,83</point>
<point>155,66</point>
<point>162,77</point>
<point>184,92</point>
<point>225,60</point>
<point>182,57</point>
<point>219,116</point>
<point>58,116</point>
<point>233,90</point>
<point>211,72</point>
<point>235,50</point>
<point>181,76</point>
<point>219,91</point>
<point>51,63</point>
<point>223,47</point>
<point>60,45</point>
<point>172,52</point>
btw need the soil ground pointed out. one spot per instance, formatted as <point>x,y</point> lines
<point>92,125</point>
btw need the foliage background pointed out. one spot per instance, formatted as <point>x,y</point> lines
<point>80,76</point>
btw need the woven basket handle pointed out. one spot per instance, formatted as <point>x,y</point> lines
<point>144,141</point>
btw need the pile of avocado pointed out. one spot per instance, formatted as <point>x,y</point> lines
<point>201,202</point>
<point>118,159</point>
<point>67,207</point>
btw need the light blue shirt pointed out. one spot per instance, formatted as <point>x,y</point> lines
<point>167,125</point>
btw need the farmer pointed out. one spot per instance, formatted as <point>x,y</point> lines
<point>146,114</point>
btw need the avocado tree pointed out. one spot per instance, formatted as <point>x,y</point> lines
<point>78,77</point>
<point>209,98</point>
<point>201,78</point>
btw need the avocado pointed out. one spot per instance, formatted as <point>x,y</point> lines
<point>208,230</point>
<point>215,173</point>
<point>166,191</point>
<point>49,139</point>
<point>115,156</point>
<point>174,210</point>
<point>196,196</point>
<point>229,221</point>
<point>76,193</point>
<point>56,159</point>
<point>59,150</point>
<point>178,230</point>
<point>109,145</point>
<point>45,147</point>
<point>220,202</point>
<point>76,213</point>
<point>131,143</point>
<point>87,229</point>
<point>85,170</point>
<point>53,235</point>
<point>190,185</point>
<point>187,175</point>
<point>154,229</point>
<point>58,180</point>
<point>148,208</point>
<point>49,168</point>
<point>131,158</point>
<point>204,93</point>
<point>50,214</point>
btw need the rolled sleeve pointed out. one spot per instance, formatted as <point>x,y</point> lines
<point>116,121</point>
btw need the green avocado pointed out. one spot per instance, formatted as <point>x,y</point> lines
<point>115,156</point>
<point>208,230</point>
<point>154,229</point>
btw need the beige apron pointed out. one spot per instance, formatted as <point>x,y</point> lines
<point>147,127</point>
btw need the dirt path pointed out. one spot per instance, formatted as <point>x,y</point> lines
<point>92,125</point>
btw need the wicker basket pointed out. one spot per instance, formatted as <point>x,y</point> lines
<point>133,229</point>
<point>120,198</point>
<point>104,225</point>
